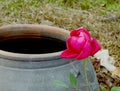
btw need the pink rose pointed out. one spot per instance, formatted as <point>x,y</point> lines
<point>80,45</point>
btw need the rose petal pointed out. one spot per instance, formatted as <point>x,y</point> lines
<point>75,44</point>
<point>85,51</point>
<point>86,37</point>
<point>85,31</point>
<point>68,54</point>
<point>95,46</point>
<point>77,32</point>
<point>74,33</point>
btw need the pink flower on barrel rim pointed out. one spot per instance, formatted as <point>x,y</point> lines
<point>80,45</point>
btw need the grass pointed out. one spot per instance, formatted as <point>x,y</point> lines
<point>100,17</point>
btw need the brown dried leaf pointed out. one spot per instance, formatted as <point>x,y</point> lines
<point>116,73</point>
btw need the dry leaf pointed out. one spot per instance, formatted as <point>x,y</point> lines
<point>47,22</point>
<point>116,73</point>
<point>105,60</point>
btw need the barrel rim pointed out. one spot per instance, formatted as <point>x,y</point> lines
<point>33,57</point>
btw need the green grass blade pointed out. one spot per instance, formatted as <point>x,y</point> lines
<point>115,88</point>
<point>73,80</point>
<point>60,83</point>
<point>103,88</point>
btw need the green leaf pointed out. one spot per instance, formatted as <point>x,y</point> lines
<point>73,80</point>
<point>115,88</point>
<point>103,88</point>
<point>60,83</point>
